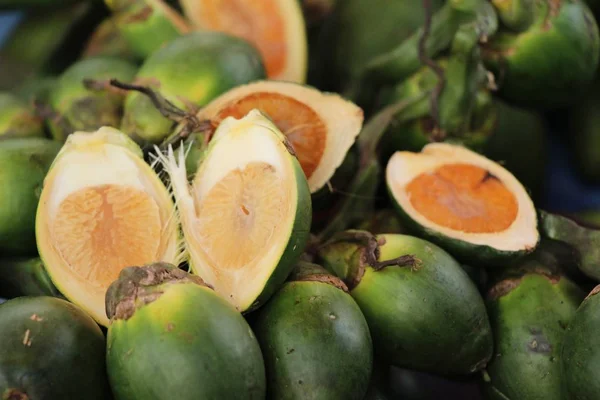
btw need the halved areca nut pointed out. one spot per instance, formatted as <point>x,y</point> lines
<point>466,203</point>
<point>321,127</point>
<point>246,216</point>
<point>102,209</point>
<point>275,27</point>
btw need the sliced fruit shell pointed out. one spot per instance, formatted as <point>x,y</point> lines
<point>102,209</point>
<point>250,194</point>
<point>275,27</point>
<point>464,202</point>
<point>321,127</point>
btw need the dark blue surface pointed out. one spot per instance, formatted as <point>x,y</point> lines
<point>8,20</point>
<point>565,192</point>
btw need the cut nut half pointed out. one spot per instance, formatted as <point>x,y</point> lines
<point>102,209</point>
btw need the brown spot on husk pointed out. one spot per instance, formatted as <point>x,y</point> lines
<point>539,343</point>
<point>137,286</point>
<point>14,394</point>
<point>507,285</point>
<point>594,292</point>
<point>553,11</point>
<point>329,279</point>
<point>142,15</point>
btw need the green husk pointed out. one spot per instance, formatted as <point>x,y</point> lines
<point>516,15</point>
<point>77,106</point>
<point>168,323</point>
<point>335,338</point>
<point>458,100</point>
<point>25,277</point>
<point>530,310</point>
<point>147,25</point>
<point>189,72</point>
<point>580,355</point>
<point>550,64</point>
<point>360,30</point>
<point>584,243</point>
<point>408,290</point>
<point>24,163</point>
<point>17,119</point>
<point>405,59</point>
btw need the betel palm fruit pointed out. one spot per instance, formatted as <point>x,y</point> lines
<point>321,127</point>
<point>580,355</point>
<point>75,107</point>
<point>530,308</point>
<point>360,30</point>
<point>582,243</point>
<point>25,276</point>
<point>107,41</point>
<point>23,166</point>
<point>460,111</point>
<point>147,25</point>
<point>464,202</point>
<point>549,59</point>
<point>310,331</point>
<point>246,215</point>
<point>51,349</point>
<point>17,119</point>
<point>189,71</point>
<point>275,27</point>
<point>408,290</point>
<point>102,208</point>
<point>172,337</point>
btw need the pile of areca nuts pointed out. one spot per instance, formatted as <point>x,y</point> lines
<point>297,199</point>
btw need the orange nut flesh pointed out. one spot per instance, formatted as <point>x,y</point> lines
<point>249,205</point>
<point>463,197</point>
<point>100,230</point>
<point>303,127</point>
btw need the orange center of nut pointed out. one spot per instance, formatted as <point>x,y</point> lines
<point>258,21</point>
<point>463,197</point>
<point>301,124</point>
<point>244,211</point>
<point>102,229</point>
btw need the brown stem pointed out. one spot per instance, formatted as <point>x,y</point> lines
<point>102,86</point>
<point>437,134</point>
<point>188,121</point>
<point>371,247</point>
